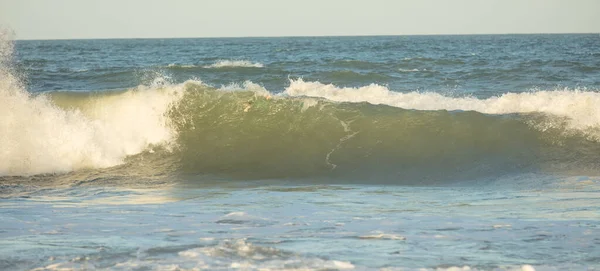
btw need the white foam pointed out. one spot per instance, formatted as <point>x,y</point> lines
<point>409,70</point>
<point>468,268</point>
<point>258,90</point>
<point>579,107</point>
<point>248,256</point>
<point>173,65</point>
<point>236,214</point>
<point>39,137</point>
<point>234,63</point>
<point>500,226</point>
<point>246,86</point>
<point>383,236</point>
<point>240,218</point>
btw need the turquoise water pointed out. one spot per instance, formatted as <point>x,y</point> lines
<point>330,153</point>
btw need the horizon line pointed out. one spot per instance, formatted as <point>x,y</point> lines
<point>309,36</point>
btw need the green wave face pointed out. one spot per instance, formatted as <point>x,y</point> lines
<point>195,129</point>
<point>246,135</point>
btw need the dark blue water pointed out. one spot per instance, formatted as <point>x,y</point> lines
<point>479,65</point>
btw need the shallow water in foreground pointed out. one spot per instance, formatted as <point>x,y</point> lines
<point>501,224</point>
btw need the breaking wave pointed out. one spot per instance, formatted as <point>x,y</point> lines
<point>310,130</point>
<point>575,108</point>
<point>65,131</point>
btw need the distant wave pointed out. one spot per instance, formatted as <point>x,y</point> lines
<point>173,65</point>
<point>411,70</point>
<point>234,63</point>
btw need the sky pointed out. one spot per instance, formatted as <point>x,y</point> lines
<point>81,19</point>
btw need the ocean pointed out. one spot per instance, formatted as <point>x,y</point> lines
<point>476,152</point>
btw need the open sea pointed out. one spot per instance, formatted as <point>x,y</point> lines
<point>448,153</point>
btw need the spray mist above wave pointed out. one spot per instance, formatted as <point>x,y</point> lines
<point>234,64</point>
<point>577,108</point>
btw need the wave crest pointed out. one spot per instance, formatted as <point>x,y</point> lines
<point>310,130</point>
<point>234,64</point>
<point>66,131</point>
<point>577,108</point>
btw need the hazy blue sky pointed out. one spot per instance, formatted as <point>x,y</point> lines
<point>60,19</point>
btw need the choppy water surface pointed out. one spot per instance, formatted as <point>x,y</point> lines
<point>332,153</point>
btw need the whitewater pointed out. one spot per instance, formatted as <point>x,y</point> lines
<point>330,153</point>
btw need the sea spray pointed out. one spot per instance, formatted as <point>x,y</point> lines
<point>85,131</point>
